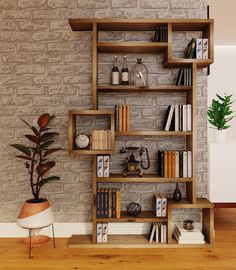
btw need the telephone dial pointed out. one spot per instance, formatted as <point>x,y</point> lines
<point>133,165</point>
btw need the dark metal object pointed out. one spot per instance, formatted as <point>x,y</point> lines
<point>134,209</point>
<point>188,224</point>
<point>177,196</point>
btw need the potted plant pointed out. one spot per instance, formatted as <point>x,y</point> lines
<point>220,114</point>
<point>36,212</point>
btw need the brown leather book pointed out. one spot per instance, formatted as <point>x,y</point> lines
<point>165,164</point>
<point>124,117</point>
<point>172,163</point>
<point>117,204</point>
<point>120,118</point>
<point>127,118</point>
<point>169,164</point>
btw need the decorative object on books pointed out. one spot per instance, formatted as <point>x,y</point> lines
<point>134,209</point>
<point>36,212</point>
<point>139,74</point>
<point>177,196</point>
<point>220,114</point>
<point>131,164</point>
<point>188,224</point>
<point>82,141</point>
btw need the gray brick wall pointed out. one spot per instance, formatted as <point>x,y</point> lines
<point>45,67</point>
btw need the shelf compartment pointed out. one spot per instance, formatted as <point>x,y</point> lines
<point>91,152</point>
<point>145,216</point>
<point>125,241</point>
<point>184,203</point>
<point>179,62</point>
<point>131,47</point>
<point>147,178</point>
<point>153,133</point>
<point>134,88</point>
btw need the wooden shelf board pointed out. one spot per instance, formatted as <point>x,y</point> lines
<point>184,203</point>
<point>91,112</point>
<point>145,216</point>
<point>147,178</point>
<point>140,25</point>
<point>131,47</point>
<point>91,152</point>
<point>125,241</point>
<point>179,62</point>
<point>134,88</point>
<point>153,133</point>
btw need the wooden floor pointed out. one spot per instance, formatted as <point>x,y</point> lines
<point>13,254</point>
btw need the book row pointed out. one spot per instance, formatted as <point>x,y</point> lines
<point>102,232</point>
<point>184,77</point>
<point>103,166</point>
<point>100,139</point>
<point>108,203</point>
<point>161,34</point>
<point>160,205</point>
<point>198,48</point>
<point>178,118</point>
<point>122,117</point>
<point>174,164</point>
<point>158,233</point>
<point>184,236</point>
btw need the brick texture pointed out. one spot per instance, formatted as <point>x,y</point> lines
<point>45,67</point>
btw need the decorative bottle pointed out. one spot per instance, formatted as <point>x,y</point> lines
<point>115,74</point>
<point>125,72</point>
<point>139,74</point>
<point>177,196</point>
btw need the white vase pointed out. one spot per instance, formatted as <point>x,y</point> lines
<point>219,135</point>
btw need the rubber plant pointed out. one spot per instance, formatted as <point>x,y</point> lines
<point>36,155</point>
<point>220,112</point>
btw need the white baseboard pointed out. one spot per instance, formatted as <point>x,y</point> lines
<point>67,229</point>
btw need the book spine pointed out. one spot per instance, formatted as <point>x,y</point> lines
<point>127,118</point>
<point>158,206</point>
<point>124,117</point>
<point>100,166</point>
<point>165,233</point>
<point>120,118</point>
<point>99,139</point>
<point>180,117</point>
<point>106,203</point>
<point>163,206</point>
<point>109,146</point>
<point>102,210</point>
<point>161,163</point>
<point>98,203</point>
<point>106,166</point>
<point>185,164</point>
<point>157,233</point>
<point>169,164</point>
<point>172,163</point>
<point>199,48</point>
<point>166,117</point>
<point>116,118</point>
<point>189,117</point>
<point>99,232</point>
<point>176,164</point>
<point>205,48</point>
<point>110,203</point>
<point>181,164</point>
<point>185,76</point>
<point>169,119</point>
<point>190,174</point>
<point>184,119</point>
<point>118,204</point>
<point>104,232</point>
<point>166,34</point>
<point>113,203</point>
<point>176,117</point>
<point>165,164</point>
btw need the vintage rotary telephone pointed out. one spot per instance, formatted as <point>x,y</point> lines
<point>131,165</point>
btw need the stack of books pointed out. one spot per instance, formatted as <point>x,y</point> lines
<point>178,118</point>
<point>184,77</point>
<point>184,236</point>
<point>160,206</point>
<point>122,118</point>
<point>102,232</point>
<point>108,203</point>
<point>158,233</point>
<point>197,49</point>
<point>100,139</point>
<point>103,166</point>
<point>174,164</point>
<point>161,34</point>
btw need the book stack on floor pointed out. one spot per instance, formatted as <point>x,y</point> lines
<point>178,118</point>
<point>101,139</point>
<point>122,118</point>
<point>184,77</point>
<point>174,164</point>
<point>161,34</point>
<point>108,203</point>
<point>103,166</point>
<point>102,232</point>
<point>160,205</point>
<point>158,233</point>
<point>197,49</point>
<point>184,236</point>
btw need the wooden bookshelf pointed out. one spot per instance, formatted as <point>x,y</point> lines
<point>95,25</point>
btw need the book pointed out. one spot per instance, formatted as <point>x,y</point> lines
<point>193,234</point>
<point>152,233</point>
<point>199,48</point>
<point>205,49</point>
<point>120,117</point>
<point>180,118</point>
<point>109,203</point>
<point>189,174</point>
<point>128,116</point>
<point>113,203</point>
<point>156,37</point>
<point>164,233</point>
<point>98,200</point>
<point>184,117</point>
<point>104,232</point>
<point>168,118</point>
<point>180,164</point>
<point>157,233</point>
<point>158,205</point>
<point>100,166</point>
<point>163,206</point>
<point>176,114</point>
<point>185,164</point>
<point>176,164</point>
<point>116,118</point>
<point>99,233</point>
<point>102,208</point>
<point>124,117</point>
<point>172,163</point>
<point>106,166</point>
<point>160,164</point>
<point>106,203</point>
<point>189,117</point>
<point>109,144</point>
<point>192,53</point>
<point>165,164</point>
<point>117,204</point>
<point>179,80</point>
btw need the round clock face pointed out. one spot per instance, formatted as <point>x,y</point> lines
<point>82,141</point>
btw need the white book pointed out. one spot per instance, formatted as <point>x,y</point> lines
<point>180,117</point>
<point>157,233</point>
<point>184,232</point>
<point>99,232</point>
<point>184,117</point>
<point>185,164</point>
<point>199,48</point>
<point>165,233</point>
<point>106,166</point>
<point>163,206</point>
<point>189,164</point>
<point>162,233</point>
<point>188,241</point>
<point>189,117</point>
<point>100,168</point>
<point>158,205</point>
<point>169,119</point>
<point>205,50</point>
<point>176,117</point>
<point>176,163</point>
<point>104,232</point>
<point>152,233</point>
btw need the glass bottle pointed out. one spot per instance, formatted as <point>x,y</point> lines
<point>125,72</point>
<point>115,74</point>
<point>177,196</point>
<point>139,74</point>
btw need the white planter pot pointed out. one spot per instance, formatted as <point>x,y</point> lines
<point>219,135</point>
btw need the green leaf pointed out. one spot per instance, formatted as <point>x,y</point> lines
<point>22,148</point>
<point>46,144</point>
<point>45,181</point>
<point>32,138</point>
<point>48,136</point>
